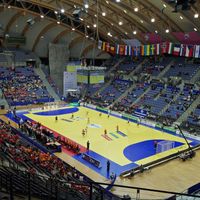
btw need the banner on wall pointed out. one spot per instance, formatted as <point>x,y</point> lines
<point>69,81</point>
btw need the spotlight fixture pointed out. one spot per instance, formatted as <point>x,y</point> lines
<point>167,31</point>
<point>196,15</point>
<point>136,9</point>
<point>152,20</point>
<point>42,16</point>
<point>103,14</point>
<point>134,32</point>
<point>62,10</point>
<point>120,23</point>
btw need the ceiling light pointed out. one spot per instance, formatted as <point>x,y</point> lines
<point>86,5</point>
<point>42,16</point>
<point>142,21</point>
<point>164,5</point>
<point>120,23</point>
<point>118,1</point>
<point>88,26</point>
<point>156,31</point>
<point>56,12</point>
<point>196,15</point>
<point>58,22</point>
<point>42,37</point>
<point>109,34</point>
<point>94,25</point>
<point>125,11</point>
<point>134,32</point>
<point>62,10</point>
<point>126,33</point>
<point>136,9</point>
<point>107,2</point>
<point>73,29</point>
<point>103,14</point>
<point>152,20</point>
<point>95,15</point>
<point>81,18</point>
<point>181,17</point>
<point>195,29</point>
<point>167,30</point>
<point>9,6</point>
<point>86,36</point>
<point>112,24</point>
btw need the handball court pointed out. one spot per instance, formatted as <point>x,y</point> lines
<point>126,145</point>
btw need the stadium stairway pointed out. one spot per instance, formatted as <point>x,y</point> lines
<point>124,94</point>
<point>195,77</point>
<point>137,68</point>
<point>191,108</point>
<point>165,69</point>
<point>169,104</point>
<point>112,68</point>
<point>3,101</point>
<point>138,99</point>
<point>50,90</point>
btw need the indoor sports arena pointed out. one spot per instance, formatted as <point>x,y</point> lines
<point>99,100</point>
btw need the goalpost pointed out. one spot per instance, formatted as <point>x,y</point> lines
<point>51,105</point>
<point>164,146</point>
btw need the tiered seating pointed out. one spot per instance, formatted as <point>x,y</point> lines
<point>178,107</point>
<point>127,66</point>
<point>125,103</point>
<point>21,86</point>
<point>194,117</point>
<point>153,67</point>
<point>112,92</point>
<point>184,70</point>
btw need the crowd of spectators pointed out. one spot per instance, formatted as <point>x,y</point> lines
<point>21,86</point>
<point>33,160</point>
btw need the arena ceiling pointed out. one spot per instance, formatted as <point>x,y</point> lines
<point>108,20</point>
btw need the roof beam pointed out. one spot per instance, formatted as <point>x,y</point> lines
<point>42,32</point>
<point>12,20</point>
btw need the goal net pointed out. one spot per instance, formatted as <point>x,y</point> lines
<point>164,146</point>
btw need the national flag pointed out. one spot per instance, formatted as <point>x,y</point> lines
<point>104,46</point>
<point>125,50</point>
<point>196,51</point>
<point>130,50</point>
<point>121,49</point>
<point>142,50</point>
<point>157,49</point>
<point>182,50</point>
<point>136,51</point>
<point>100,44</point>
<point>189,51</point>
<point>107,48</point>
<point>117,49</point>
<point>177,49</point>
<point>170,47</point>
<point>147,50</point>
<point>152,49</point>
<point>164,47</point>
<point>112,50</point>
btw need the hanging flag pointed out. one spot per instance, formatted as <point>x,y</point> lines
<point>182,50</point>
<point>142,50</point>
<point>130,50</point>
<point>152,49</point>
<point>164,47</point>
<point>189,51</point>
<point>112,50</point>
<point>136,51</point>
<point>170,47</point>
<point>125,50</point>
<point>196,51</point>
<point>107,47</point>
<point>117,49</point>
<point>100,44</point>
<point>147,50</point>
<point>176,50</point>
<point>104,46</point>
<point>157,49</point>
<point>121,50</point>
